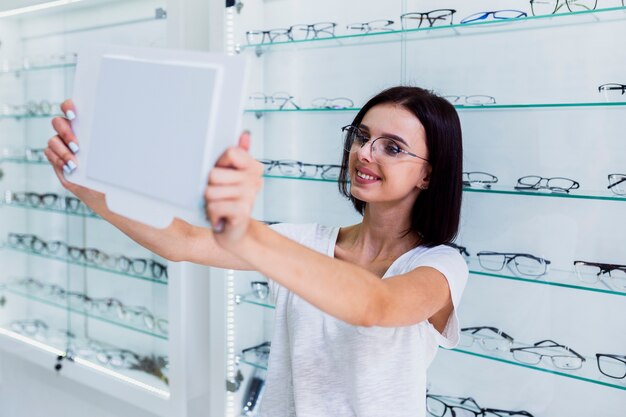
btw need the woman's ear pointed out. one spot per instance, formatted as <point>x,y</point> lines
<point>425,180</point>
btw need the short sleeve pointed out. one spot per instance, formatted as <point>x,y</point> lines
<point>451,264</point>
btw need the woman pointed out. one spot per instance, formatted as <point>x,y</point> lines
<point>360,310</point>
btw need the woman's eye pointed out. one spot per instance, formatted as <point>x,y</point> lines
<point>362,139</point>
<point>392,149</point>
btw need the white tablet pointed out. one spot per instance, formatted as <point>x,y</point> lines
<point>151,123</point>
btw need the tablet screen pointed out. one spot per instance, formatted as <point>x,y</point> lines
<point>148,143</point>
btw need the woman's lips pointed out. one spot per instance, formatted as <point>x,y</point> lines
<point>365,176</point>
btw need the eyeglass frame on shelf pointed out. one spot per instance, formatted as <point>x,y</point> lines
<point>558,5</point>
<point>461,404</point>
<point>260,289</point>
<point>288,32</point>
<point>288,99</point>
<point>619,358</point>
<point>480,338</point>
<point>90,255</point>
<point>349,103</point>
<point>366,27</point>
<point>484,15</point>
<point>509,257</point>
<point>469,100</point>
<point>538,186</point>
<point>620,180</point>
<point>409,16</point>
<point>554,344</point>
<point>483,183</point>
<point>603,269</point>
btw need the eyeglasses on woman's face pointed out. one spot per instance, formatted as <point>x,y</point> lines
<point>383,150</point>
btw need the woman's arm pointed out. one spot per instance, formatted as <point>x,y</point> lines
<point>180,241</point>
<point>341,289</point>
<point>344,290</point>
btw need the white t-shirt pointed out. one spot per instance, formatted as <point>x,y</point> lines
<point>320,366</point>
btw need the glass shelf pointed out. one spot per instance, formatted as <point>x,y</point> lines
<point>259,112</point>
<point>285,177</point>
<point>572,194</point>
<point>18,71</point>
<point>159,16</point>
<point>28,116</point>
<point>480,27</point>
<point>554,277</point>
<point>253,364</point>
<point>86,265</point>
<point>84,313</point>
<point>58,345</point>
<point>588,373</point>
<point>252,299</point>
<point>492,190</point>
<point>23,161</point>
<point>51,210</point>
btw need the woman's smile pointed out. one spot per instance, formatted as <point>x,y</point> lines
<point>365,176</point>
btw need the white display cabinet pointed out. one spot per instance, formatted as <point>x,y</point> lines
<point>77,296</point>
<point>544,116</point>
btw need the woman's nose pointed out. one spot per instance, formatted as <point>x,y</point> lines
<point>365,152</point>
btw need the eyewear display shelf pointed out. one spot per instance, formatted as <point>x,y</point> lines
<point>113,326</point>
<point>547,116</point>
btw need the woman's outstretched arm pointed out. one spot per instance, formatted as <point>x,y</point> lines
<point>180,241</point>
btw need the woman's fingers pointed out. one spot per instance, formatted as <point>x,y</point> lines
<point>62,152</point>
<point>233,212</point>
<point>57,164</point>
<point>68,109</point>
<point>226,176</point>
<point>54,159</point>
<point>244,141</point>
<point>234,157</point>
<point>226,192</point>
<point>64,128</point>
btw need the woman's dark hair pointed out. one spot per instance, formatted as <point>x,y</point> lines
<point>436,213</point>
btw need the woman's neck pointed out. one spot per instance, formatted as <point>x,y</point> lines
<point>381,235</point>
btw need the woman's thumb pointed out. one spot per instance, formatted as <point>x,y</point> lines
<point>244,140</point>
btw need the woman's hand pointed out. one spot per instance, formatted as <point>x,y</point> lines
<point>231,192</point>
<point>62,148</point>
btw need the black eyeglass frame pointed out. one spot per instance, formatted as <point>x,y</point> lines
<point>619,358</point>
<point>461,402</point>
<point>420,16</point>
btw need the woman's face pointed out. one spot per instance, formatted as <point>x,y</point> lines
<point>378,177</point>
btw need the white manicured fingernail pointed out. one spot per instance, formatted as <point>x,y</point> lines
<point>67,169</point>
<point>73,147</point>
<point>70,115</point>
<point>71,165</point>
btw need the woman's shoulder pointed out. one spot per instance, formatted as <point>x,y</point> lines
<point>439,255</point>
<point>302,232</point>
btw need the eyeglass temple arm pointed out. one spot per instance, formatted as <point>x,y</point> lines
<point>256,347</point>
<point>617,183</point>
<point>520,413</point>
<point>493,329</point>
<point>471,400</point>
<point>555,344</point>
<point>621,358</point>
<point>603,267</point>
